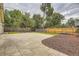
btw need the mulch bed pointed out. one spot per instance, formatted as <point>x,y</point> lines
<point>66,43</point>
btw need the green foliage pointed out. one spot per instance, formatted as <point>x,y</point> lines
<point>38,20</point>
<point>25,21</point>
<point>50,9</point>
<point>47,9</point>
<point>15,18</point>
<point>8,21</point>
<point>16,15</point>
<point>54,20</point>
<point>12,18</point>
<point>71,22</point>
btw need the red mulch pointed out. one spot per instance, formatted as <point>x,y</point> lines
<point>66,43</point>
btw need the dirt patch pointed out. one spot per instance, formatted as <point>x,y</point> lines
<point>68,44</point>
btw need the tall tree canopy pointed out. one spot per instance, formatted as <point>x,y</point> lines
<point>55,20</point>
<point>71,22</point>
<point>47,9</point>
<point>38,20</point>
<point>16,18</point>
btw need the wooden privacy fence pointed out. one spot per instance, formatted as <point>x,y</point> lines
<point>52,30</point>
<point>61,30</point>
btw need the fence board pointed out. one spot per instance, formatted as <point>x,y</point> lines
<point>61,30</point>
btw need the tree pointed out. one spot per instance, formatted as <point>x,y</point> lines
<point>25,20</point>
<point>47,9</point>
<point>55,20</point>
<point>32,24</point>
<point>71,22</point>
<point>8,21</point>
<point>43,8</point>
<point>38,20</point>
<point>13,18</point>
<point>16,17</point>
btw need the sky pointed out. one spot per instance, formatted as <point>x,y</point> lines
<point>66,9</point>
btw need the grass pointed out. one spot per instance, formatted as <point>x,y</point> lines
<point>50,33</point>
<point>11,32</point>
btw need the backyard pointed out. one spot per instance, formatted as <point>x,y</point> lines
<point>38,29</point>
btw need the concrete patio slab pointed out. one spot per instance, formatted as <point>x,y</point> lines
<point>26,44</point>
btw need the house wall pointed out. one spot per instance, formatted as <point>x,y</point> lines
<point>1,18</point>
<point>1,28</point>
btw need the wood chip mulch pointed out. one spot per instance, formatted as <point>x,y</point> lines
<point>65,43</point>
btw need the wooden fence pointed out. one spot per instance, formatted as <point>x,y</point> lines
<point>61,30</point>
<point>52,30</point>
